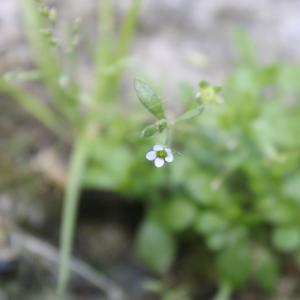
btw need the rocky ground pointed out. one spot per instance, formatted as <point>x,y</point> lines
<point>177,39</point>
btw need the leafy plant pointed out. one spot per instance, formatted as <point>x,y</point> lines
<point>65,115</point>
<point>234,182</point>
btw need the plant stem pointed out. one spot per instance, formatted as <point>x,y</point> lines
<point>126,36</point>
<point>111,54</point>
<point>224,292</point>
<point>128,28</point>
<point>105,49</point>
<point>71,200</point>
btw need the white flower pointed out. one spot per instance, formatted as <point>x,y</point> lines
<point>160,155</point>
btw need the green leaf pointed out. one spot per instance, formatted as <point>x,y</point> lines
<point>266,269</point>
<point>234,263</point>
<point>150,130</point>
<point>276,211</point>
<point>156,246</point>
<point>211,222</point>
<point>291,187</point>
<point>154,128</point>
<point>149,98</point>
<point>216,240</point>
<point>286,238</point>
<point>178,214</point>
<point>103,168</point>
<point>190,114</point>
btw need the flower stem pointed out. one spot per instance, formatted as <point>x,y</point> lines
<point>168,136</point>
<point>76,169</point>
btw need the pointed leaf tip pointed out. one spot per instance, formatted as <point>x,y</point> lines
<point>149,98</point>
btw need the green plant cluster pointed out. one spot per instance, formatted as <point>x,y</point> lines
<point>236,185</point>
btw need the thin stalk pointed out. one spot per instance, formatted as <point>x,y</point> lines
<point>105,49</point>
<point>224,292</point>
<point>111,56</point>
<point>127,34</point>
<point>128,28</point>
<point>70,208</point>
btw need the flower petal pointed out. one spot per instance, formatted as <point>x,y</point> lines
<point>168,150</point>
<point>169,157</point>
<point>151,155</point>
<point>158,147</point>
<point>159,162</point>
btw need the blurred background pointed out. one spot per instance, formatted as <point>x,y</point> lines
<point>222,221</point>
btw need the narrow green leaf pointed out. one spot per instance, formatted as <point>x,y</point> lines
<point>154,128</point>
<point>149,98</point>
<point>128,28</point>
<point>150,130</point>
<point>190,114</point>
<point>105,51</point>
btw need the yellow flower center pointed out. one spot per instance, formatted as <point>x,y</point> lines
<point>161,154</point>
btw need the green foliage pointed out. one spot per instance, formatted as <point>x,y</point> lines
<point>286,238</point>
<point>239,172</point>
<point>209,94</point>
<point>190,114</point>
<point>149,98</point>
<point>266,268</point>
<point>64,114</point>
<point>156,246</point>
<point>236,186</point>
<point>166,292</point>
<point>234,263</point>
<point>175,215</point>
<point>152,129</point>
<point>210,222</point>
